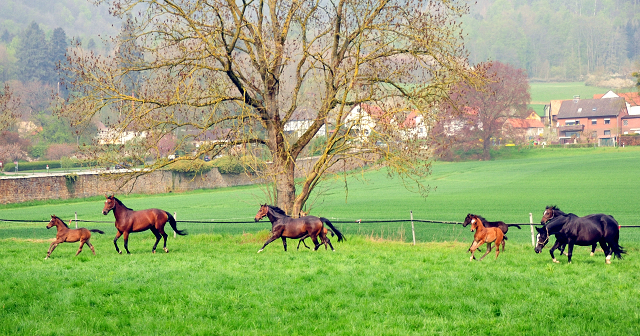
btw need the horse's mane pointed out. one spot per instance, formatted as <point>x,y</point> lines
<point>120,202</point>
<point>277,210</point>
<point>61,221</point>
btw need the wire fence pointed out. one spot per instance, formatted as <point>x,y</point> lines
<point>408,230</point>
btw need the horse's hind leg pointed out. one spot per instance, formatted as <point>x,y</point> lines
<point>126,241</point>
<point>80,248</point>
<point>91,247</point>
<point>157,234</point>
<point>164,237</point>
<point>593,249</point>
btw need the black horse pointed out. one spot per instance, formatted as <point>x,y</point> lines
<point>584,231</point>
<point>487,224</point>
<point>551,211</point>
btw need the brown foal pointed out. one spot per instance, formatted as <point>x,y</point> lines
<point>485,235</point>
<point>67,235</point>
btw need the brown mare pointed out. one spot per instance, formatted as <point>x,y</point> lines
<point>65,234</point>
<point>485,235</point>
<point>128,220</point>
<point>283,226</point>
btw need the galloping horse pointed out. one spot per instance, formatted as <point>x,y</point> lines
<point>551,211</point>
<point>65,234</point>
<point>584,231</point>
<point>128,221</point>
<point>485,235</point>
<point>283,226</point>
<point>487,224</point>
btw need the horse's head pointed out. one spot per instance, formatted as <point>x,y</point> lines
<point>264,209</point>
<point>543,238</point>
<point>549,213</point>
<point>53,222</point>
<point>467,220</point>
<point>109,204</point>
<point>475,222</point>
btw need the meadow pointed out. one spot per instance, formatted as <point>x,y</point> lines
<point>214,282</point>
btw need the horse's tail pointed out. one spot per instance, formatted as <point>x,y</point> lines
<point>338,233</point>
<point>516,225</point>
<point>172,221</point>
<point>98,231</point>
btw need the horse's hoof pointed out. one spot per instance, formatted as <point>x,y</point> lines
<point>592,254</point>
<point>166,250</point>
<point>154,251</point>
<point>119,252</point>
<point>259,251</point>
<point>555,261</point>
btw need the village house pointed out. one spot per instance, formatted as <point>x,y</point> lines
<point>529,128</point>
<point>591,120</point>
<point>630,122</point>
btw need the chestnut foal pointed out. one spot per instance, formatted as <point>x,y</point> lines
<point>65,234</point>
<point>485,235</point>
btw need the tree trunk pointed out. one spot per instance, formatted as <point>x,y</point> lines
<point>486,146</point>
<point>285,185</point>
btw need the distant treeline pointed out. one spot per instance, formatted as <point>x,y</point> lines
<point>556,39</point>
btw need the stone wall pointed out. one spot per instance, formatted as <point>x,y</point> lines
<point>86,184</point>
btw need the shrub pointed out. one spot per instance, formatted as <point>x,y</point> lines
<point>193,167</point>
<point>237,165</point>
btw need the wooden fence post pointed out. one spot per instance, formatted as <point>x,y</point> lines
<point>533,242</point>
<point>76,219</point>
<point>413,230</point>
<point>175,216</point>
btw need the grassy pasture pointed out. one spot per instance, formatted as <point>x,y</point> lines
<point>213,282</point>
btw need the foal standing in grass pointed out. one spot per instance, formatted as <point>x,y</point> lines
<point>65,234</point>
<point>485,235</point>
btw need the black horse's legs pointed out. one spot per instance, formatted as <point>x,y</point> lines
<point>126,242</point>
<point>302,241</point>
<point>315,242</point>
<point>607,250</point>
<point>115,241</point>
<point>570,253</point>
<point>157,234</point>
<point>164,236</point>
<point>553,248</point>
<point>593,249</point>
<point>284,243</point>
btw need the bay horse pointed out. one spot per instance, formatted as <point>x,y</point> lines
<point>67,235</point>
<point>486,235</point>
<point>584,231</point>
<point>551,211</point>
<point>283,226</point>
<point>487,224</point>
<point>128,220</point>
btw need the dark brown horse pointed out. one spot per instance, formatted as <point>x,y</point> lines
<point>485,235</point>
<point>552,211</point>
<point>128,220</point>
<point>67,235</point>
<point>283,226</point>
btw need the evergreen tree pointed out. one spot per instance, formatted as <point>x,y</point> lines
<point>58,46</point>
<point>34,63</point>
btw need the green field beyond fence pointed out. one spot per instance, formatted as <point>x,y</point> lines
<point>376,283</point>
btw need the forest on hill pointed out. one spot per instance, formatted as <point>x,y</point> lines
<point>557,40</point>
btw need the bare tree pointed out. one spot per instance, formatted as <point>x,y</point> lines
<point>244,69</point>
<point>8,107</point>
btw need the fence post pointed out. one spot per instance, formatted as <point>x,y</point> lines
<point>76,219</point>
<point>533,242</point>
<point>413,230</point>
<point>175,215</point>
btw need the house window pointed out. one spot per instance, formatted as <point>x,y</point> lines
<point>625,122</point>
<point>607,132</point>
<point>572,122</point>
<point>607,121</point>
<point>594,121</point>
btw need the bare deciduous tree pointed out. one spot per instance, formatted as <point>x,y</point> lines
<point>244,69</point>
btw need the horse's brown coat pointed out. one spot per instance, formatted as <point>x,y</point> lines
<point>67,235</point>
<point>485,235</point>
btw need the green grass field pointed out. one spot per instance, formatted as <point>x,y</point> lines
<point>213,282</point>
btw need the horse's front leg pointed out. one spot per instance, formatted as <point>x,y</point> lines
<point>553,248</point>
<point>274,236</point>
<point>51,248</point>
<point>488,250</point>
<point>125,236</point>
<point>593,249</point>
<point>115,241</point>
<point>284,243</point>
